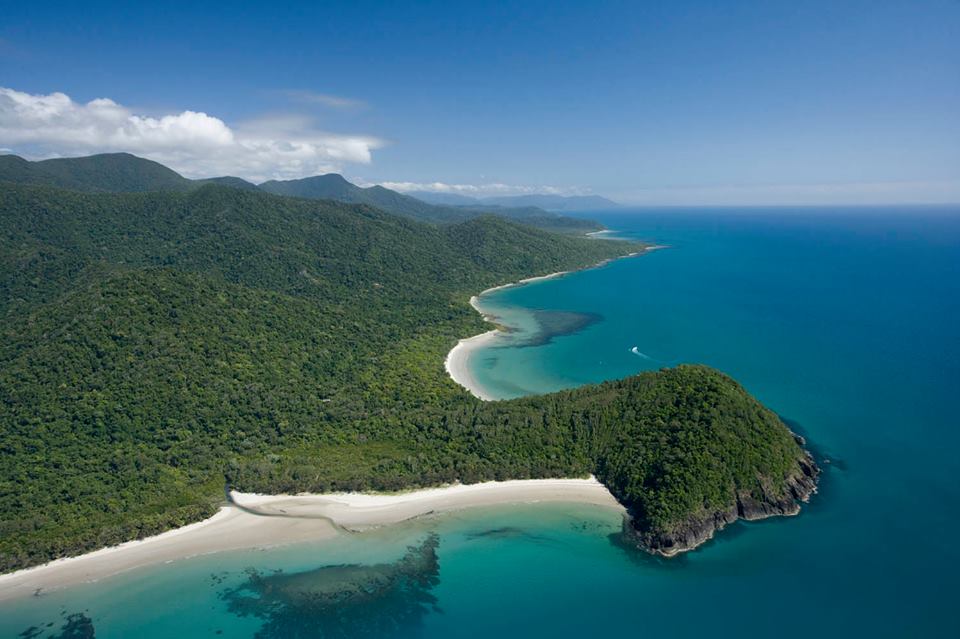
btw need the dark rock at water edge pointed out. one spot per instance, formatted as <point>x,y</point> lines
<point>700,528</point>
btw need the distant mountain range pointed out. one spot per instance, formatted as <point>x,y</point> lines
<point>333,186</point>
<point>123,172</point>
<point>540,200</point>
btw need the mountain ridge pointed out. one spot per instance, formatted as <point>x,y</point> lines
<point>124,172</point>
<point>335,186</point>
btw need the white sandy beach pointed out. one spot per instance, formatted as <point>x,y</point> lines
<point>359,511</point>
<point>271,520</point>
<point>605,234</point>
<point>458,358</point>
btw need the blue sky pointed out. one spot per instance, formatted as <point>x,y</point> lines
<point>654,103</point>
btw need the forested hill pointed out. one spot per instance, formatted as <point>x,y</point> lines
<point>147,335</point>
<point>107,172</point>
<point>335,187</point>
<point>122,172</point>
<point>157,345</point>
<point>301,247</point>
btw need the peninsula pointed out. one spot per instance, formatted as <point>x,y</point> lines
<point>162,340</point>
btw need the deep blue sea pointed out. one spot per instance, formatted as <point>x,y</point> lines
<point>844,321</point>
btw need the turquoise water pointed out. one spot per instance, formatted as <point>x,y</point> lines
<point>845,322</point>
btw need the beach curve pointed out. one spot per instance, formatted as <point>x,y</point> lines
<point>457,361</point>
<point>262,521</point>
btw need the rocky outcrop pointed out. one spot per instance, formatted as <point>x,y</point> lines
<point>700,528</point>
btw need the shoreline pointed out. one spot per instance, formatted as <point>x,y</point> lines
<point>356,512</point>
<point>264,521</point>
<point>457,360</point>
<point>603,234</point>
<point>253,520</point>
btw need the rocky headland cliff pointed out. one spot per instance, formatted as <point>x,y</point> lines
<point>769,501</point>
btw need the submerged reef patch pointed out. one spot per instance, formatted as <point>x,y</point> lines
<point>75,626</point>
<point>349,600</point>
<point>553,324</point>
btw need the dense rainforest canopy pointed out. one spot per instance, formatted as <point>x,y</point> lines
<point>157,345</point>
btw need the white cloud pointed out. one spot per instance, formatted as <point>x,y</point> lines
<point>324,99</point>
<point>480,190</point>
<point>191,142</point>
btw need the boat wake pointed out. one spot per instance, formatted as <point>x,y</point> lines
<point>636,351</point>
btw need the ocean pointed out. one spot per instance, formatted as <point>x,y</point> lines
<point>846,322</point>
